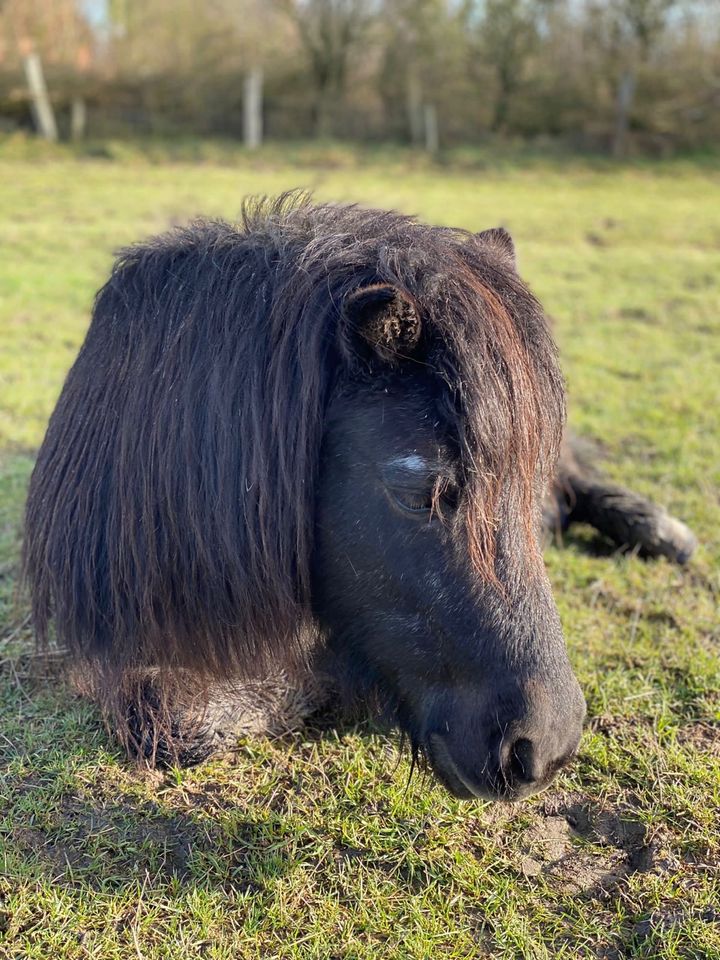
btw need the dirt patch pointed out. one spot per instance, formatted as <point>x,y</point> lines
<point>637,313</point>
<point>663,921</point>
<point>585,848</point>
<point>61,859</point>
<point>701,736</point>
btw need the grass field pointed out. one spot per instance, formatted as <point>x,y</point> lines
<point>313,846</point>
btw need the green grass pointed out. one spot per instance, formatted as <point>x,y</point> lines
<point>314,846</point>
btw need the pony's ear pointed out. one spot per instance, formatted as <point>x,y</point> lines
<point>382,318</point>
<point>501,242</point>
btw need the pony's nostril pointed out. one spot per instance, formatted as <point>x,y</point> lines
<point>521,762</point>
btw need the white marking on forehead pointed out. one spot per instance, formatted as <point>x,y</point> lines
<point>411,462</point>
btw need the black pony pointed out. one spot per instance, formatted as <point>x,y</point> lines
<point>309,454</point>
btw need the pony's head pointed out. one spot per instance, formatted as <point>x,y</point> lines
<point>330,422</point>
<point>427,574</point>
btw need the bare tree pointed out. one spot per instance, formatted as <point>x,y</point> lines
<point>630,31</point>
<point>645,20</point>
<point>420,35</point>
<point>329,31</point>
<point>508,34</point>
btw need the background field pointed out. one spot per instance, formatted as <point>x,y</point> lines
<point>314,845</point>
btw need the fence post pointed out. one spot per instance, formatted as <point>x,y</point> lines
<point>252,108</point>
<point>416,120</point>
<point>78,118</point>
<point>625,95</point>
<point>432,140</point>
<point>42,108</point>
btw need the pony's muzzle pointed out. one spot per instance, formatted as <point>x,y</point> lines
<point>502,755</point>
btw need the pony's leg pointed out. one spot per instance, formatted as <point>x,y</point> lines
<point>169,720</point>
<point>580,494</point>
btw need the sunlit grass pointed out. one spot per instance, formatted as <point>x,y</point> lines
<point>315,846</point>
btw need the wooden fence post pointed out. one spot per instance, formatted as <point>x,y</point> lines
<point>42,108</point>
<point>625,95</point>
<point>432,139</point>
<point>416,119</point>
<point>252,108</point>
<point>78,118</point>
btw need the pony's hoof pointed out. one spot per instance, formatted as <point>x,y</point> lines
<point>672,539</point>
<point>157,736</point>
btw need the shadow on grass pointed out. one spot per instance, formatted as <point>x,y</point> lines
<point>115,846</point>
<point>73,816</point>
<point>582,538</point>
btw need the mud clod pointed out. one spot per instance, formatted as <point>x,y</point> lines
<point>585,849</point>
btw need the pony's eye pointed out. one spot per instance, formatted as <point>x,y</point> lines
<point>415,502</point>
<point>441,499</point>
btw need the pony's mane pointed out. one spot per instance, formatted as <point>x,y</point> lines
<point>170,514</point>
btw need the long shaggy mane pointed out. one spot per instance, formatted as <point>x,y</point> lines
<point>170,514</point>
